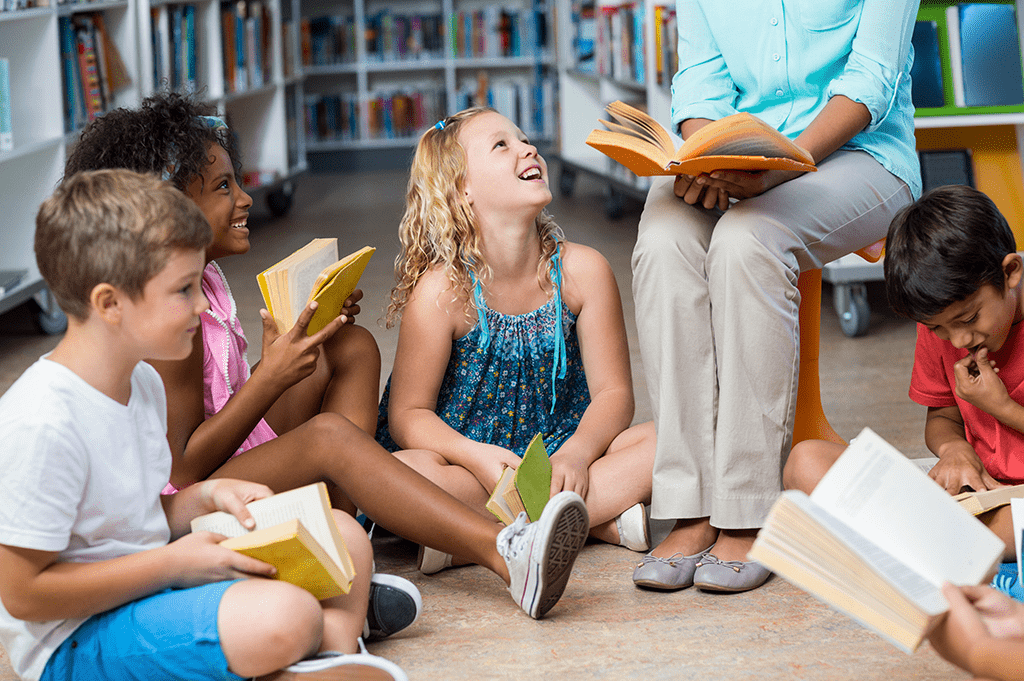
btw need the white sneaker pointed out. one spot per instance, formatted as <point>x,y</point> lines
<point>540,555</point>
<point>431,561</point>
<point>361,666</point>
<point>634,529</point>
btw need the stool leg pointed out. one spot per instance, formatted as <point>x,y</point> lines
<point>810,422</point>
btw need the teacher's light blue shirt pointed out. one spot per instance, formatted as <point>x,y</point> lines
<point>782,60</point>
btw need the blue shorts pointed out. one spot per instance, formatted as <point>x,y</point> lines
<point>169,635</point>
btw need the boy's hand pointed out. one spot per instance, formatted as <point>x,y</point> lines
<point>1002,615</point>
<point>960,631</point>
<point>569,473</point>
<point>978,383</point>
<point>487,465</point>
<point>959,467</point>
<point>351,307</point>
<point>290,357</point>
<point>231,496</point>
<point>746,185</point>
<point>198,559</point>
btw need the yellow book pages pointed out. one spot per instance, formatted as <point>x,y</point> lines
<point>286,285</point>
<point>496,503</point>
<point>335,284</point>
<point>298,557</point>
<point>309,504</point>
<point>977,503</point>
<point>739,142</point>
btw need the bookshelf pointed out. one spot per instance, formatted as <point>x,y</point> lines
<point>152,42</point>
<point>418,62</point>
<point>607,52</point>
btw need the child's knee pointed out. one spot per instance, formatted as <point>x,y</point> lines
<point>807,463</point>
<point>277,620</point>
<point>354,344</point>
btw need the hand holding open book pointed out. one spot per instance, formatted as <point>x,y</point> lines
<point>295,532</point>
<point>738,142</point>
<point>524,488</point>
<point>876,540</point>
<point>313,272</point>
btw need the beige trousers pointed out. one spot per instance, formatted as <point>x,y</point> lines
<point>717,316</point>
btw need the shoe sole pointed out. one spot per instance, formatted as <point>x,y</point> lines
<point>566,539</point>
<point>405,589</point>
<point>660,586</point>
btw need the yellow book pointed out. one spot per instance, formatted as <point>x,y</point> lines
<point>525,488</point>
<point>313,272</point>
<point>977,503</point>
<point>737,142</point>
<point>295,532</point>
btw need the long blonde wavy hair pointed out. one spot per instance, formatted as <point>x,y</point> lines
<point>439,227</point>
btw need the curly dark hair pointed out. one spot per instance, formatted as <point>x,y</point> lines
<point>164,133</point>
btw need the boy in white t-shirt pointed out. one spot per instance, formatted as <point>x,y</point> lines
<point>98,576</point>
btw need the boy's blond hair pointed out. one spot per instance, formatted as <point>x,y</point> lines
<point>117,227</point>
<point>439,228</point>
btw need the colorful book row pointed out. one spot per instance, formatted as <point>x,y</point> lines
<point>387,115</point>
<point>391,37</point>
<point>15,5</point>
<point>174,47</point>
<point>529,104</point>
<point>246,39</point>
<point>92,68</point>
<point>497,32</point>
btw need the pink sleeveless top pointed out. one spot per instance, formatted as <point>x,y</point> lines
<point>225,365</point>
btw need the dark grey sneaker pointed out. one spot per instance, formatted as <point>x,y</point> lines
<point>395,604</point>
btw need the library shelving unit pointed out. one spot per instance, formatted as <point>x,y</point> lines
<point>149,37</point>
<point>415,63</point>
<point>30,39</point>
<point>607,52</point>
<point>994,135</point>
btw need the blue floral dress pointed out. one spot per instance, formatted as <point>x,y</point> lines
<point>506,380</point>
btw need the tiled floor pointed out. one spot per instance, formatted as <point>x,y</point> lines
<point>603,628</point>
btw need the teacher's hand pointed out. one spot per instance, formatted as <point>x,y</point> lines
<point>688,189</point>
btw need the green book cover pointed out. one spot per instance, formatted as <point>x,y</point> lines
<point>533,478</point>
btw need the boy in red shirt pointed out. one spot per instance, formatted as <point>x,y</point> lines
<point>952,265</point>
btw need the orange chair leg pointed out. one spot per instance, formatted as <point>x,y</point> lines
<point>810,422</point>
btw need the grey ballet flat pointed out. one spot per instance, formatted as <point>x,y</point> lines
<point>728,576</point>
<point>667,574</point>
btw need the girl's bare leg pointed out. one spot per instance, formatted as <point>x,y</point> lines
<point>330,448</point>
<point>620,479</point>
<point>455,480</point>
<point>346,382</point>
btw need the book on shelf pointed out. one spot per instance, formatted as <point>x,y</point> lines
<point>295,532</point>
<point>927,86</point>
<point>985,58</point>
<point>585,38</point>
<point>6,132</point>
<point>525,488</point>
<point>115,72</point>
<point>666,39</point>
<point>876,540</point>
<point>312,273</point>
<point>984,501</point>
<point>88,71</point>
<point>737,142</point>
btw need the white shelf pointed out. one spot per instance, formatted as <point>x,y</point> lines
<point>30,39</point>
<point>968,120</point>
<point>367,76</point>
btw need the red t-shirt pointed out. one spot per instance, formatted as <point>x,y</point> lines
<point>1000,448</point>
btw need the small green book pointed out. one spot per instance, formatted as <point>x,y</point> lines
<point>526,488</point>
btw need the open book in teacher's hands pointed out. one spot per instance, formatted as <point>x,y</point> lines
<point>876,540</point>
<point>737,142</point>
<point>524,488</point>
<point>295,532</point>
<point>313,272</point>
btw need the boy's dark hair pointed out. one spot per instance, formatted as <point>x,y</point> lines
<point>942,248</point>
<point>166,135</point>
<point>116,227</point>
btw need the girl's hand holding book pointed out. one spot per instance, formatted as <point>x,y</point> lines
<point>289,357</point>
<point>487,463</point>
<point>351,306</point>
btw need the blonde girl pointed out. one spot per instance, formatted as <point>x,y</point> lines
<point>508,330</point>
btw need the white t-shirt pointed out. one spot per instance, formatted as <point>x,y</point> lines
<point>80,474</point>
